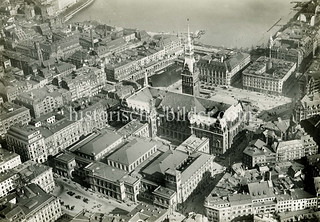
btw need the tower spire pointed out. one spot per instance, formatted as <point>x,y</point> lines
<point>189,38</point>
<point>190,73</point>
<point>146,82</point>
<point>189,54</point>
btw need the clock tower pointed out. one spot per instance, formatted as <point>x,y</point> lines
<point>190,73</point>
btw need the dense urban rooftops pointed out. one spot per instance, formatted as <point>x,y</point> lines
<point>30,170</point>
<point>8,110</point>
<point>277,68</point>
<point>38,95</point>
<point>29,199</point>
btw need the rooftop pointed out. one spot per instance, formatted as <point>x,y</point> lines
<point>98,143</point>
<point>163,191</point>
<point>30,199</point>
<point>146,212</point>
<point>257,148</point>
<point>131,127</point>
<point>259,190</point>
<point>278,71</point>
<point>38,95</point>
<point>6,155</point>
<point>192,143</point>
<point>30,170</point>
<point>65,157</point>
<point>200,160</point>
<point>110,173</point>
<point>168,160</point>
<point>132,151</point>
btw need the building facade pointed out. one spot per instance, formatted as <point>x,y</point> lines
<point>28,143</point>
<point>222,68</point>
<point>44,100</point>
<point>269,76</point>
<point>112,182</point>
<point>8,160</point>
<point>85,82</point>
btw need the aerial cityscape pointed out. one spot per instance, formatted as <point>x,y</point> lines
<point>105,121</point>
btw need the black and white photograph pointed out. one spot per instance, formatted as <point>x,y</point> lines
<point>159,110</point>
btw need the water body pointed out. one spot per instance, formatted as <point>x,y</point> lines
<point>229,23</point>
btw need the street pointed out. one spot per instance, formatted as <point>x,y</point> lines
<point>95,202</point>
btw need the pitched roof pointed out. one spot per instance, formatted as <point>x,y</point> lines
<point>99,143</point>
<point>168,160</point>
<point>110,173</point>
<point>260,190</point>
<point>131,151</point>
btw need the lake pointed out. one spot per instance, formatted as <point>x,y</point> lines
<point>229,23</point>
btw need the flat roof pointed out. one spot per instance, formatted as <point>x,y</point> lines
<point>192,143</point>
<point>279,68</point>
<point>163,191</point>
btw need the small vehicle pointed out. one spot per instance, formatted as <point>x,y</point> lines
<point>71,193</point>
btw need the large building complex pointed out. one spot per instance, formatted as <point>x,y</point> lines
<point>269,76</point>
<point>178,171</point>
<point>222,68</point>
<point>112,181</point>
<point>132,64</point>
<point>296,43</point>
<point>217,121</point>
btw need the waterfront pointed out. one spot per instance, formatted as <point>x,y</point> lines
<point>230,23</point>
